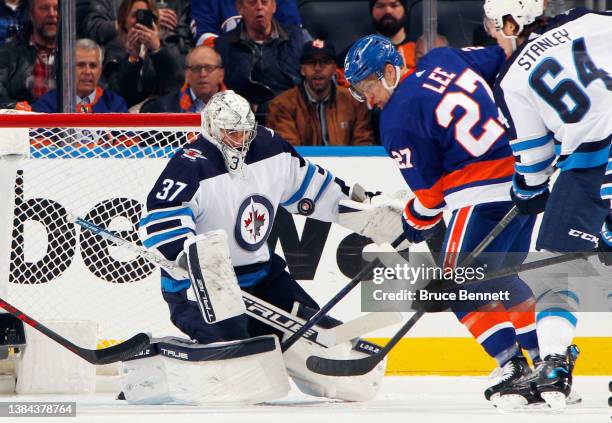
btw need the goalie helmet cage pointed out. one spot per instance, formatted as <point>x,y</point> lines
<point>99,167</point>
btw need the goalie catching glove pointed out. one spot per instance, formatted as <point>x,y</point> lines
<point>374,215</point>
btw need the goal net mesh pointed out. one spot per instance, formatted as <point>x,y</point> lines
<point>100,168</point>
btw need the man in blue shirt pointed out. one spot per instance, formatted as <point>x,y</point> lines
<point>91,98</point>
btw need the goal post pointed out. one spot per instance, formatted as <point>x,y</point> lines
<point>99,167</point>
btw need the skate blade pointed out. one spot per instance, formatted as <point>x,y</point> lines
<point>573,398</point>
<point>510,402</point>
<point>555,400</point>
<point>494,399</point>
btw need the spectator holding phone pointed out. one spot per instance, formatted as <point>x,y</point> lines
<point>102,24</point>
<point>138,63</point>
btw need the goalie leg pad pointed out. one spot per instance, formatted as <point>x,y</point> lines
<point>177,371</point>
<point>353,388</point>
<point>212,276</point>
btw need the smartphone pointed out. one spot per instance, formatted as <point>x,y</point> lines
<point>144,17</point>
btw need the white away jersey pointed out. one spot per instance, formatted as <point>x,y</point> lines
<point>555,93</point>
<point>196,194</point>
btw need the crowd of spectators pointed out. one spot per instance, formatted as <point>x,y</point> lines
<point>171,56</point>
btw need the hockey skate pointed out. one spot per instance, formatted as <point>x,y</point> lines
<point>513,370</point>
<point>550,384</point>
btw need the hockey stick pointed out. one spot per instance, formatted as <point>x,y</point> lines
<point>331,303</point>
<point>118,352</point>
<point>361,366</point>
<point>260,309</point>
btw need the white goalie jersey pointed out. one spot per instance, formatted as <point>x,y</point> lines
<point>555,93</point>
<point>195,194</point>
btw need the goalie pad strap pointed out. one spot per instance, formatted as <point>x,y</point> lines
<point>185,350</point>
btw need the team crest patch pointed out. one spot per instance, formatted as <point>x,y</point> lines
<point>193,154</point>
<point>254,222</point>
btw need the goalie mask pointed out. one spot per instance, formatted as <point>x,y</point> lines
<point>229,123</point>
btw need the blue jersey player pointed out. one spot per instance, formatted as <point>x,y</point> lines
<point>440,125</point>
<point>555,92</point>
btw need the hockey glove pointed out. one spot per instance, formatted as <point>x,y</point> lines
<point>529,200</point>
<point>605,243</point>
<point>358,193</point>
<point>418,227</point>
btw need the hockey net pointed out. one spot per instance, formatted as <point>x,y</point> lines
<point>98,167</point>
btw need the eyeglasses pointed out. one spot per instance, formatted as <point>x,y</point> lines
<point>200,68</point>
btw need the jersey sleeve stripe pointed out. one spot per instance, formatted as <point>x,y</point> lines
<point>534,168</point>
<point>479,171</point>
<point>432,198</point>
<point>584,160</point>
<point>519,146</point>
<point>164,237</point>
<point>606,191</point>
<point>172,285</point>
<point>162,226</point>
<point>609,167</point>
<point>166,214</point>
<point>328,179</point>
<point>303,187</point>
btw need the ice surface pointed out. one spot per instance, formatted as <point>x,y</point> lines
<point>407,399</point>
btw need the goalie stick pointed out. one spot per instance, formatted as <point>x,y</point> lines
<point>260,309</point>
<point>118,352</point>
<point>361,366</point>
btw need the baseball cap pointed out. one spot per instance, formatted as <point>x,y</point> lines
<point>318,48</point>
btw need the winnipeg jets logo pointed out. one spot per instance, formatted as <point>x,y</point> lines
<point>253,222</point>
<point>193,154</point>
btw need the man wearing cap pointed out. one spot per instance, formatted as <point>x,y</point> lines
<point>317,112</point>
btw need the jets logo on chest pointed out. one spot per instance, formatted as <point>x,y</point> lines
<point>253,222</point>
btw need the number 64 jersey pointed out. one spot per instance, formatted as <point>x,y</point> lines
<point>556,93</point>
<point>441,126</point>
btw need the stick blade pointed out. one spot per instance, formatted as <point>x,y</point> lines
<point>331,367</point>
<point>122,351</point>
